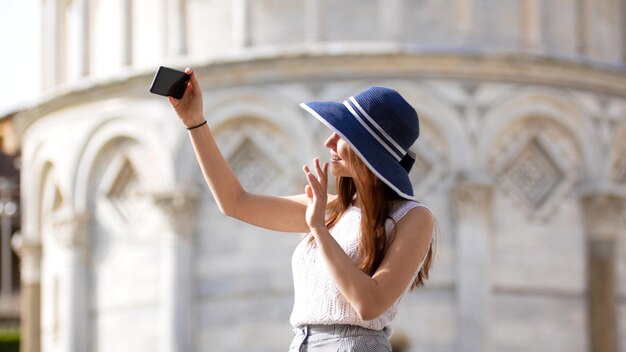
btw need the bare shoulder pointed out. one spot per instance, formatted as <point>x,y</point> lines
<point>421,213</point>
<point>418,222</point>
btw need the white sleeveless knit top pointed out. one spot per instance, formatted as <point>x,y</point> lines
<point>317,300</point>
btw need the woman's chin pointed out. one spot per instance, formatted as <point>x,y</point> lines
<point>338,171</point>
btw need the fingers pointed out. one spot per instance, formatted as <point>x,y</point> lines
<point>193,81</point>
<point>318,184</point>
<point>173,101</point>
<point>189,89</point>
<point>322,172</point>
<point>313,182</point>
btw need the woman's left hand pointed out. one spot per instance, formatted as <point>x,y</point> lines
<point>316,194</point>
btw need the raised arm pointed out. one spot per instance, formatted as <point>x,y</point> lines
<point>271,212</point>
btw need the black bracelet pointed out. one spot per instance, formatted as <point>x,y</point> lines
<point>191,128</point>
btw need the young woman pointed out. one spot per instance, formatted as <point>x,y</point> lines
<point>366,246</point>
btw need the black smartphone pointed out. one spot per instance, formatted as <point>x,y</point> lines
<point>169,82</point>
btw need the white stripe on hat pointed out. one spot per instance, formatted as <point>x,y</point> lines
<point>375,124</point>
<point>354,113</point>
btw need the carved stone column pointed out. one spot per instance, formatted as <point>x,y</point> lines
<point>77,37</point>
<point>178,209</point>
<point>127,33</point>
<point>464,21</point>
<point>241,23</point>
<point>28,249</point>
<point>532,30</point>
<point>313,30</point>
<point>602,217</point>
<point>51,25</point>
<point>176,33</point>
<point>390,18</point>
<point>472,203</point>
<point>70,231</point>
<point>583,13</point>
<point>84,48</point>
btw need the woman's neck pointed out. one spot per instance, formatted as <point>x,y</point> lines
<point>356,202</point>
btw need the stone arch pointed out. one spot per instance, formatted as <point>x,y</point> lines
<point>278,122</point>
<point>49,198</point>
<point>534,155</point>
<point>260,154</point>
<point>51,202</point>
<point>534,101</point>
<point>120,130</point>
<point>119,167</point>
<point>49,222</point>
<point>43,166</point>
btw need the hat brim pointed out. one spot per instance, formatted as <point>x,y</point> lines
<point>339,119</point>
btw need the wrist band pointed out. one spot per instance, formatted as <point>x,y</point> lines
<point>191,128</point>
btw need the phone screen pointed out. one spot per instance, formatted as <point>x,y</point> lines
<point>169,82</point>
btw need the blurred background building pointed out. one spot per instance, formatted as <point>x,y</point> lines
<point>522,156</point>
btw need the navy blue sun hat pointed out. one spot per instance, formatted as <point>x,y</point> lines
<point>380,127</point>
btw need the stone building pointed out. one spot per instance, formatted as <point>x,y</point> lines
<point>522,157</point>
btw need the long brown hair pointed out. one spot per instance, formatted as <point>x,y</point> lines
<point>377,203</point>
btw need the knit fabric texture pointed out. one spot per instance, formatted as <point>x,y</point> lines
<point>317,300</point>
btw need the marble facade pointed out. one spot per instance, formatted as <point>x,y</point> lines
<point>522,157</point>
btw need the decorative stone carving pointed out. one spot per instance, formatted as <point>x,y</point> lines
<point>537,163</point>
<point>124,193</point>
<point>178,208</point>
<point>260,155</point>
<point>603,216</point>
<point>473,197</point>
<point>69,228</point>
<point>252,166</point>
<point>533,174</point>
<point>123,204</point>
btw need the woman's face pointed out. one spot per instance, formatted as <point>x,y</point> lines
<point>339,159</point>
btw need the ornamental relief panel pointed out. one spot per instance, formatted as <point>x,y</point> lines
<point>253,167</point>
<point>55,222</point>
<point>260,155</point>
<point>537,163</point>
<point>122,203</point>
<point>534,173</point>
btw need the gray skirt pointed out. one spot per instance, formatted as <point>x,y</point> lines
<point>339,338</point>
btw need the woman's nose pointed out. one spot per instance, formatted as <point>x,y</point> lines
<point>331,142</point>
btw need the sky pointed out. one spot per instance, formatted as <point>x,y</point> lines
<point>20,54</point>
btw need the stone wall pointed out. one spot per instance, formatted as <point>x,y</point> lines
<point>523,120</point>
<point>98,39</point>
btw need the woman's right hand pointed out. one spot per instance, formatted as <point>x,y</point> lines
<point>189,108</point>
